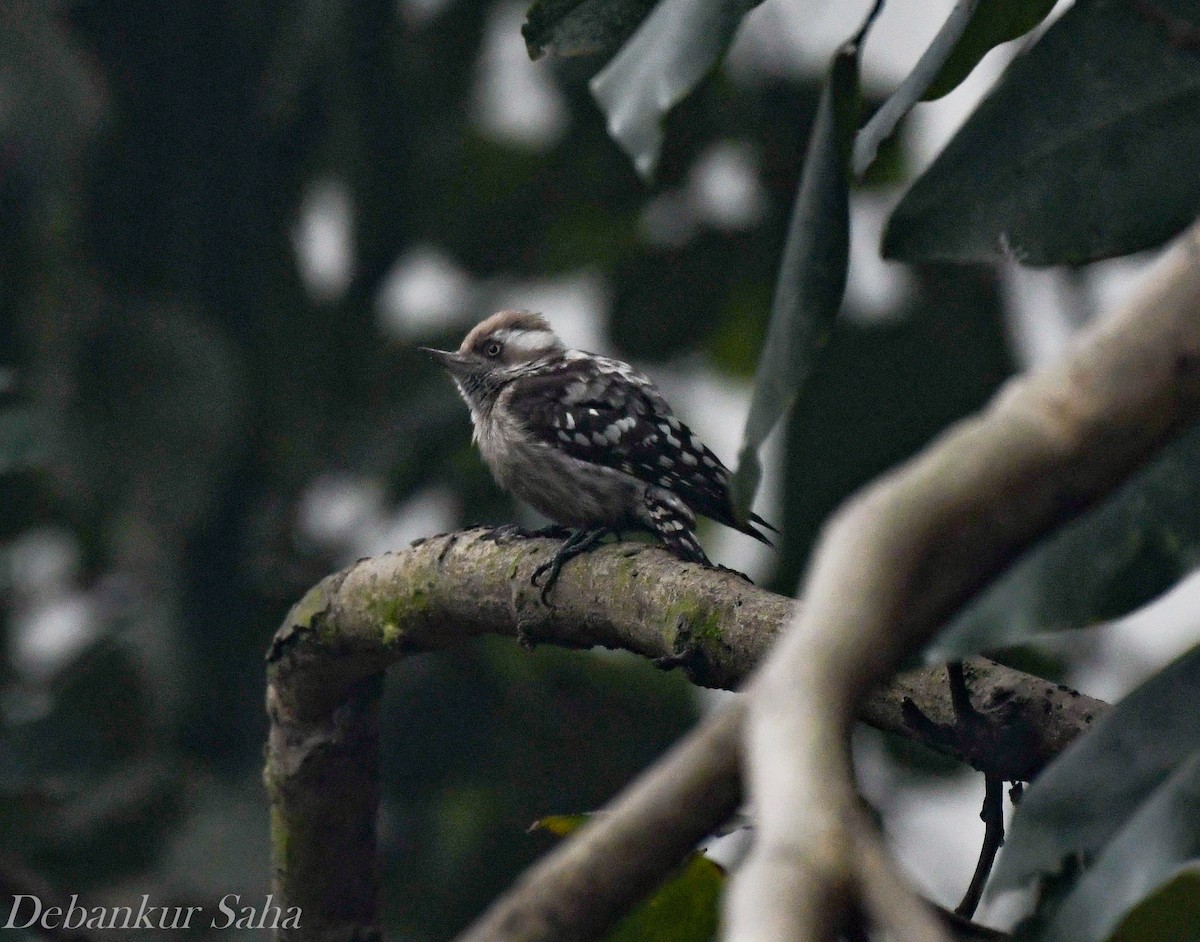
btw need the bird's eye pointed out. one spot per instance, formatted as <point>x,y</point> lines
<point>493,349</point>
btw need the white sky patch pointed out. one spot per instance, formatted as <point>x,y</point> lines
<point>1039,327</point>
<point>424,291</point>
<point>932,825</point>
<point>336,508</point>
<point>1132,649</point>
<point>323,239</point>
<point>875,287</point>
<point>434,510</point>
<point>516,100</point>
<point>724,186</point>
<point>53,620</point>
<point>348,516</point>
<point>723,191</point>
<point>799,37</point>
<point>1114,281</point>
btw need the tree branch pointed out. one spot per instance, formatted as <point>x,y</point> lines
<point>992,816</point>
<point>326,662</point>
<point>898,560</point>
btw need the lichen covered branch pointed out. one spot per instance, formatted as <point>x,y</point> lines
<point>326,664</point>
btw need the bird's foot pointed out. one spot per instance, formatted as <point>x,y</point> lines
<point>733,572</point>
<point>505,534</point>
<point>554,531</point>
<point>579,542</point>
<point>690,657</point>
<point>511,533</point>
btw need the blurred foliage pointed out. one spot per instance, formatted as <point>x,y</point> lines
<point>881,391</point>
<point>176,392</point>
<point>993,22</point>
<point>671,51</point>
<point>812,269</point>
<point>1170,914</point>
<point>1123,554</point>
<point>582,27</point>
<point>1106,864</point>
<point>1121,764</point>
<point>173,390</point>
<point>1082,135</point>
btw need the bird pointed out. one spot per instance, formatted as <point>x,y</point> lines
<point>586,440</point>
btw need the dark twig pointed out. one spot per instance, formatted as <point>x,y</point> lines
<point>965,929</point>
<point>960,696</point>
<point>993,837</point>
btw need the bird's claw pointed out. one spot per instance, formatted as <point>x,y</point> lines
<point>510,533</point>
<point>551,570</point>
<point>503,535</point>
<point>577,543</point>
<point>733,572</point>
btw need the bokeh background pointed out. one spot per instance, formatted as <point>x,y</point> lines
<point>224,227</point>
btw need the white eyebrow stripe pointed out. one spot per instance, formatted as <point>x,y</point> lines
<point>527,342</point>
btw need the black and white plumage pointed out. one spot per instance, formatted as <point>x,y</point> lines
<point>586,440</point>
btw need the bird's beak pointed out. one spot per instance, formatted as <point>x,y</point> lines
<point>454,363</point>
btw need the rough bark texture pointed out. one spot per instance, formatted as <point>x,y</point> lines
<point>327,660</point>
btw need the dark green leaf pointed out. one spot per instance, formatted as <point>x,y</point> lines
<point>942,360</point>
<point>1121,555</point>
<point>656,69</point>
<point>582,27</point>
<point>685,907</point>
<point>1076,154</point>
<point>1172,914</point>
<point>994,22</point>
<point>1089,798</point>
<point>812,273</point>
<point>1163,834</point>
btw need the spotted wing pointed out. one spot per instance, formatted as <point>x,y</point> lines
<point>605,412</point>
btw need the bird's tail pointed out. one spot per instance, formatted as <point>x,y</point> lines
<point>749,528</point>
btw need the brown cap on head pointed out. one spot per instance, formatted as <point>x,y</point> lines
<point>501,320</point>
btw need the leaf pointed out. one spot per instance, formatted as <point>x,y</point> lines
<point>684,908</point>
<point>582,27</point>
<point>1163,834</point>
<point>994,22</point>
<point>968,34</point>
<point>1171,914</point>
<point>1074,156</point>
<point>1112,560</point>
<point>560,825</point>
<point>883,122</point>
<point>656,69</point>
<point>1083,799</point>
<point>812,273</point>
<point>941,361</point>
